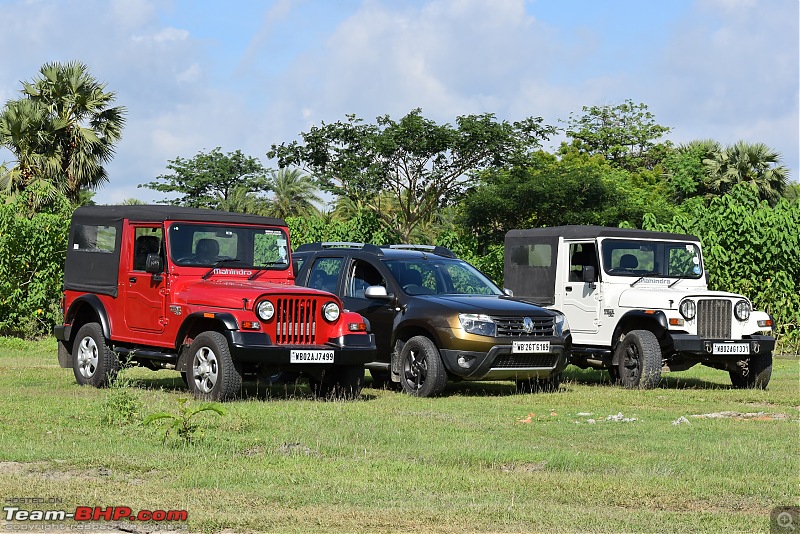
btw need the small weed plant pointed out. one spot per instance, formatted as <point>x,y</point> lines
<point>184,425</point>
<point>122,405</point>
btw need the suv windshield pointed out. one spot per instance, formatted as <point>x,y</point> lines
<point>440,277</point>
<point>656,258</point>
<point>207,245</point>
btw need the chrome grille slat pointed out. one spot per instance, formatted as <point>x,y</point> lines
<point>714,318</point>
<point>296,321</point>
<point>513,326</point>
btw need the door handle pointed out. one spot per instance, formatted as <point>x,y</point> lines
<point>568,289</point>
<point>132,279</point>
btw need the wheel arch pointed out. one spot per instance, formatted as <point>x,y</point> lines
<point>654,321</point>
<point>199,322</point>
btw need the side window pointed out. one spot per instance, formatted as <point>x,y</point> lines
<point>146,241</point>
<point>325,273</point>
<point>94,238</point>
<point>581,255</point>
<point>360,276</point>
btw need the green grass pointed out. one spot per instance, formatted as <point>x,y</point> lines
<point>469,461</point>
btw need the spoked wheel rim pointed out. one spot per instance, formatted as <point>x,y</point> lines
<point>415,369</point>
<point>88,357</point>
<point>205,370</point>
<point>632,363</point>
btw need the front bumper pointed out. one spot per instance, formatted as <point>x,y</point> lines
<point>703,349</point>
<point>499,363</point>
<point>255,347</point>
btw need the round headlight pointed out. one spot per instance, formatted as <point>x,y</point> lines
<point>265,310</point>
<point>330,311</point>
<point>688,309</point>
<point>742,310</point>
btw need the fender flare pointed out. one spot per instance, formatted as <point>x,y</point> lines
<point>96,305</point>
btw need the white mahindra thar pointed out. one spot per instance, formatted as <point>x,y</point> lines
<point>638,303</point>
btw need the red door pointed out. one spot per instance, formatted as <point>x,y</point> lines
<point>145,299</point>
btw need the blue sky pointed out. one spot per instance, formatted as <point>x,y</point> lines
<point>245,74</point>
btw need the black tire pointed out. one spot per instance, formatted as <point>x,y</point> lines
<point>339,383</point>
<point>93,363</point>
<point>422,372</point>
<point>540,385</point>
<point>759,371</point>
<point>639,360</point>
<point>213,375</point>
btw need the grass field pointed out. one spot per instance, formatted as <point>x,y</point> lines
<point>478,459</point>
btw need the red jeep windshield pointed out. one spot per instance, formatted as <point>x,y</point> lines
<point>206,245</point>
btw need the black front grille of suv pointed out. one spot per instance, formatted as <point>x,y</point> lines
<point>515,326</point>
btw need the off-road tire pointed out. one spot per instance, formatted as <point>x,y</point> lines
<point>758,375</point>
<point>422,372</point>
<point>540,385</point>
<point>212,373</point>
<point>93,363</point>
<point>639,360</point>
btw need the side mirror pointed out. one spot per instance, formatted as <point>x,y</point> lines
<point>295,267</point>
<point>507,292</point>
<point>376,293</point>
<point>153,264</point>
<point>708,277</point>
<point>589,275</point>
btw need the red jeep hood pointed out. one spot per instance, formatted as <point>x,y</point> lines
<point>231,293</point>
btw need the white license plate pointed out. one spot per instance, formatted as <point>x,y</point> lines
<point>731,348</point>
<point>525,347</point>
<point>311,356</point>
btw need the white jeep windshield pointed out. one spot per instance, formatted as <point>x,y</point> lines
<point>623,257</point>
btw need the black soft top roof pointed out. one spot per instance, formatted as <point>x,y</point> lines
<point>590,232</point>
<point>107,214</point>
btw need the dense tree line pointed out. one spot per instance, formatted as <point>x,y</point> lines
<point>462,185</point>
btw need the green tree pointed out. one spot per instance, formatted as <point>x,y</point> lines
<point>626,135</point>
<point>423,165</point>
<point>294,194</point>
<point>550,191</point>
<point>744,162</point>
<point>26,130</point>
<point>83,126</point>
<point>211,180</point>
<point>686,168</point>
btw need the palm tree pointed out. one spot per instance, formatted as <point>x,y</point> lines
<point>294,194</point>
<point>25,130</point>
<point>241,199</point>
<point>743,162</point>
<point>84,125</point>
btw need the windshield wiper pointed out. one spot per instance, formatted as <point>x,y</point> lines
<point>219,262</point>
<point>645,275</point>
<point>263,268</point>
<point>681,277</point>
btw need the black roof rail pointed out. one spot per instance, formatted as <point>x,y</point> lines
<point>441,251</point>
<point>366,247</point>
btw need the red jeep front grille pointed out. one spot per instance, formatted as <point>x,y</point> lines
<point>296,321</point>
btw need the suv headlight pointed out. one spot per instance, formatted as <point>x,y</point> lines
<point>688,309</point>
<point>562,325</point>
<point>330,311</point>
<point>742,310</point>
<point>265,310</point>
<point>480,324</point>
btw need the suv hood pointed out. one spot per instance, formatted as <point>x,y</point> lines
<point>231,293</point>
<point>661,298</point>
<point>487,304</point>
